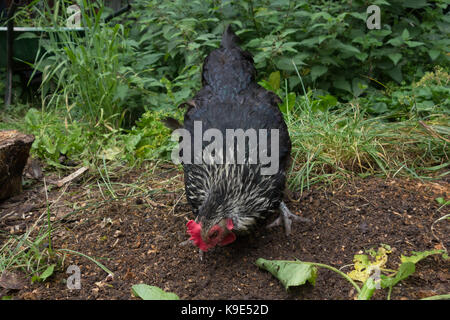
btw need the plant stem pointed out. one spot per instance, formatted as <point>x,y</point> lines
<point>337,271</point>
<point>440,297</point>
<point>389,293</point>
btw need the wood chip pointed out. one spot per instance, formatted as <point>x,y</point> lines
<point>71,177</point>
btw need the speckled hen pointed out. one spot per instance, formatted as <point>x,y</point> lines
<point>229,198</point>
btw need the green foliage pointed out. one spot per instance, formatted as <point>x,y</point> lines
<point>406,268</point>
<point>296,273</point>
<point>343,140</point>
<point>290,273</point>
<point>320,38</point>
<point>146,292</point>
<point>83,72</point>
<point>150,139</point>
<point>420,99</point>
<point>54,137</point>
<point>44,275</point>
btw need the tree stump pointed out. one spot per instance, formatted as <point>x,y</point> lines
<point>14,151</point>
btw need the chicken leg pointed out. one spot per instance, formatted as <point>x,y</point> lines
<point>286,218</point>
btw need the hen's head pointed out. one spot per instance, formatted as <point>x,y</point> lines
<point>208,235</point>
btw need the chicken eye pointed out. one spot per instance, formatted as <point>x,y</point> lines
<point>214,234</point>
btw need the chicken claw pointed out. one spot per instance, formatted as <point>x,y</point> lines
<point>285,219</point>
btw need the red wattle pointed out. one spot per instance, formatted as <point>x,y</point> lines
<point>228,239</point>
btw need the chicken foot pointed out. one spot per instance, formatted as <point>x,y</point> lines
<point>285,219</point>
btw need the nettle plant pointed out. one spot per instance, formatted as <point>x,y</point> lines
<point>319,38</point>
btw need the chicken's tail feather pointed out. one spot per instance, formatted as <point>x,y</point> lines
<point>229,38</point>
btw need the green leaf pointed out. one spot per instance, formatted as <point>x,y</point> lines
<point>442,201</point>
<point>405,34</point>
<point>362,56</point>
<point>417,255</point>
<point>395,57</point>
<point>342,84</point>
<point>290,273</point>
<point>289,103</point>
<point>286,64</point>
<point>439,297</point>
<point>434,54</point>
<point>358,87</point>
<point>416,4</point>
<point>317,71</point>
<point>146,292</point>
<point>347,48</point>
<point>325,103</point>
<point>274,80</point>
<point>121,92</point>
<point>47,273</point>
<point>396,74</point>
<point>396,42</point>
<point>413,44</point>
<point>406,269</point>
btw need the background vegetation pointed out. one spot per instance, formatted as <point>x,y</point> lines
<point>357,101</point>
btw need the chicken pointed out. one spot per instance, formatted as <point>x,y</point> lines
<point>227,197</point>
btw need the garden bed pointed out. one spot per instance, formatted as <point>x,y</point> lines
<point>138,236</point>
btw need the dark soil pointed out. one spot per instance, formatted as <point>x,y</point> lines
<point>138,237</point>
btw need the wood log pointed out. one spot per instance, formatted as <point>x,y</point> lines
<point>14,152</point>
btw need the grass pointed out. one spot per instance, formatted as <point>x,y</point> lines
<point>344,142</point>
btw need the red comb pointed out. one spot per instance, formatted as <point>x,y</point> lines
<point>194,229</point>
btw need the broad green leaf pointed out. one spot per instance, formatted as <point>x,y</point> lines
<point>324,103</point>
<point>290,273</point>
<point>317,71</point>
<point>47,273</point>
<point>347,48</point>
<point>284,64</point>
<point>311,42</point>
<point>395,57</point>
<point>406,269</point>
<point>439,297</point>
<point>405,34</point>
<point>396,42</point>
<point>342,84</point>
<point>396,74</point>
<point>413,44</point>
<point>146,292</point>
<point>121,92</point>
<point>442,201</point>
<point>358,87</point>
<point>434,54</point>
<point>274,80</point>
<point>415,4</point>
<point>417,255</point>
<point>362,56</point>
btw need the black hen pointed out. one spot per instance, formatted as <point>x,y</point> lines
<point>229,198</point>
